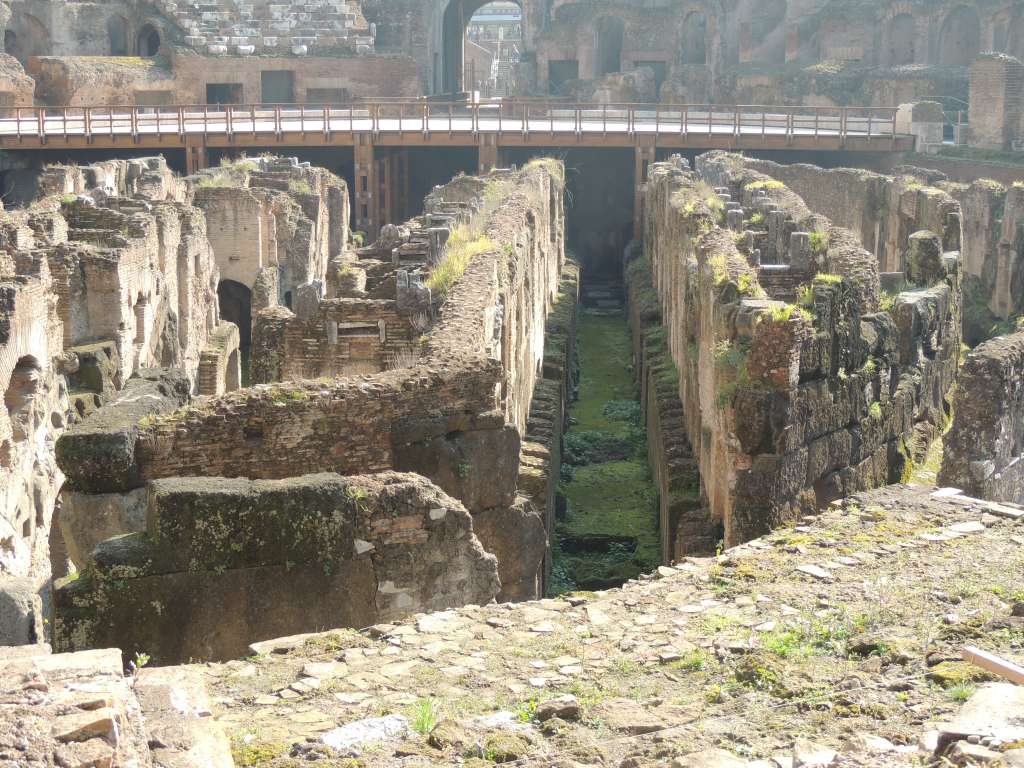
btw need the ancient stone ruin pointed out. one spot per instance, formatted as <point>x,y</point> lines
<point>546,383</point>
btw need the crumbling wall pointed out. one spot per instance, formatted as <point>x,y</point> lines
<point>791,404</point>
<point>274,215</point>
<point>223,563</point>
<point>983,452</point>
<point>883,211</point>
<point>455,412</point>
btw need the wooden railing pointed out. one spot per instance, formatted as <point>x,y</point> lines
<point>426,117</point>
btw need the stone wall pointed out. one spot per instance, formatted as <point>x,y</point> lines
<point>223,563</point>
<point>791,404</point>
<point>882,211</point>
<point>983,453</point>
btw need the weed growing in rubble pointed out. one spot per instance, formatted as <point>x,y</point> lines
<point>961,692</point>
<point>424,716</point>
<point>819,243</point>
<point>463,247</point>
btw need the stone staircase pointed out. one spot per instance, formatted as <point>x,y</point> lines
<point>229,27</point>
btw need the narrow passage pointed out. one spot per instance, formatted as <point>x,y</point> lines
<point>607,521</point>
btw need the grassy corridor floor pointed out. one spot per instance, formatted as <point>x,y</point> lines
<point>609,532</point>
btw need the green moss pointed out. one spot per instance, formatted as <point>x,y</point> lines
<point>612,500</point>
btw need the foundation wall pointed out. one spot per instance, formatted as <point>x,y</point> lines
<point>224,563</point>
<point>983,453</point>
<point>791,405</point>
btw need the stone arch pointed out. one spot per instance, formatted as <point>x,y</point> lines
<point>1015,35</point>
<point>960,39</point>
<point>117,36</point>
<point>235,302</point>
<point>29,37</point>
<point>768,31</point>
<point>21,392</point>
<point>449,69</point>
<point>611,37</point>
<point>899,45</point>
<point>695,38</point>
<point>147,41</point>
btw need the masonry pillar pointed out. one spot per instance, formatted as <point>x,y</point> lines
<point>644,156</point>
<point>385,191</point>
<point>996,82</point>
<point>196,158</point>
<point>402,183</point>
<point>366,216</point>
<point>746,42</point>
<point>792,42</point>
<point>489,154</point>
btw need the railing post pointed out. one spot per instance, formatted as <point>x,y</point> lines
<point>551,117</point>
<point>42,124</point>
<point>87,124</point>
<point>817,113</point>
<point>181,122</point>
<point>327,122</point>
<point>278,128</point>
<point>870,116</point>
<point>684,118</point>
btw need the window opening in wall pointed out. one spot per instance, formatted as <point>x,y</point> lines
<point>901,35</point>
<point>117,35</point>
<point>960,41</point>
<point>768,33</point>
<point>140,319</point>
<point>223,93</point>
<point>277,86</point>
<point>695,31</point>
<point>147,43</point>
<point>611,33</point>
<point>20,394</point>
<point>236,307</point>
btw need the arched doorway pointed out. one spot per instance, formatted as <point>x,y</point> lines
<point>492,48</point>
<point>611,35</point>
<point>236,307</point>
<point>899,48</point>
<point>147,42</point>
<point>695,35</point>
<point>960,40</point>
<point>450,63</point>
<point>117,35</point>
<point>768,31</point>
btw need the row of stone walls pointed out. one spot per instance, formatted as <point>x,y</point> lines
<point>791,404</point>
<point>983,453</point>
<point>225,563</point>
<point>454,412</point>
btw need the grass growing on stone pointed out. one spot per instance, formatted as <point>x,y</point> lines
<point>610,496</point>
<point>463,246</point>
